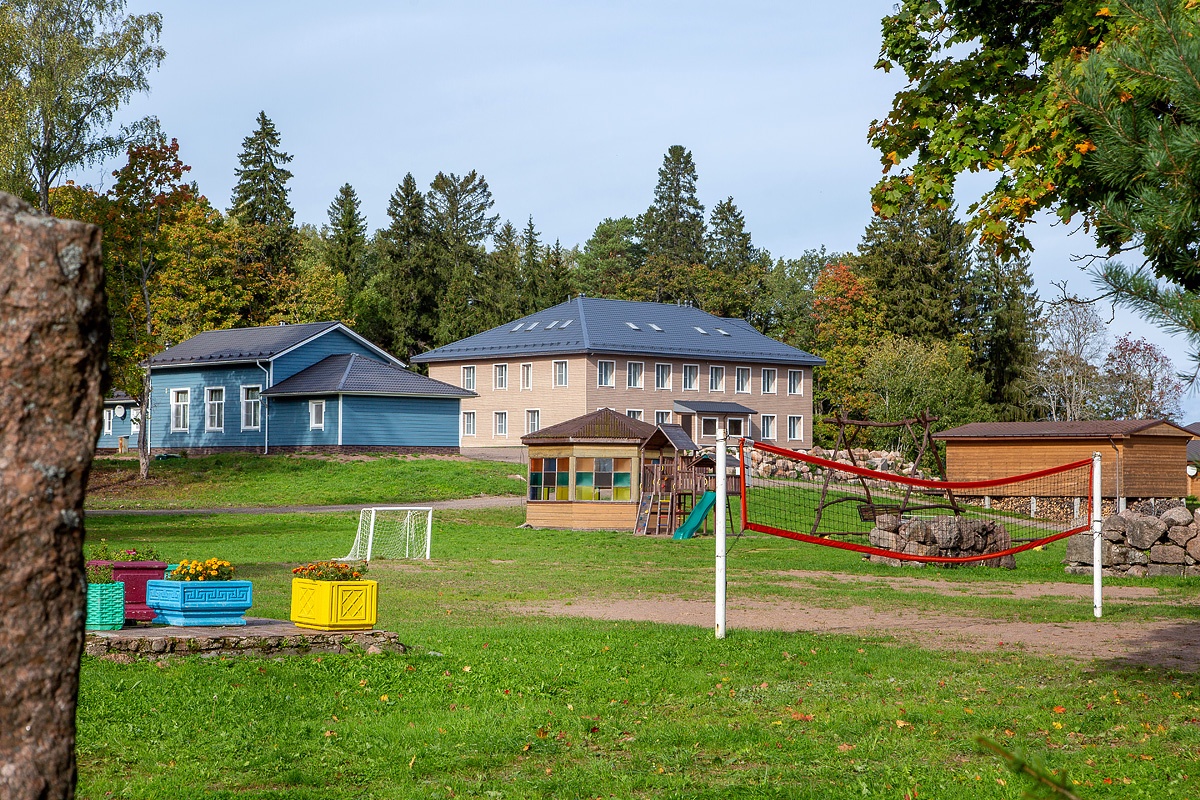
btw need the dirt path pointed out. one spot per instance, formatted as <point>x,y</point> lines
<point>1167,644</point>
<point>460,503</point>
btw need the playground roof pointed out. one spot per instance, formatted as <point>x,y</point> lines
<point>350,373</point>
<point>624,327</point>
<point>1087,429</point>
<point>678,437</point>
<point>711,407</point>
<point>605,426</point>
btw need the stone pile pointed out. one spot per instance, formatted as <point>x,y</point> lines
<point>946,536</point>
<point>1137,544</point>
<point>769,465</point>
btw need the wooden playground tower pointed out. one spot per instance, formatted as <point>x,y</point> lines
<point>670,489</point>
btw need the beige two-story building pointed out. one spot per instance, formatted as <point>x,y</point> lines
<point>654,362</point>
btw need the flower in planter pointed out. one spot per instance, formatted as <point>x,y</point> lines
<point>214,569</point>
<point>97,574</point>
<point>331,571</point>
<point>103,552</point>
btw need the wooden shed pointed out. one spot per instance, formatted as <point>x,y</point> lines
<point>1140,458</point>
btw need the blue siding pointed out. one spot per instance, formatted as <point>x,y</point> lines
<point>333,343</point>
<point>289,422</point>
<point>399,421</point>
<point>196,380</point>
<point>120,427</point>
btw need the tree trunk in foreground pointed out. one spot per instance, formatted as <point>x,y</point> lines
<point>53,341</point>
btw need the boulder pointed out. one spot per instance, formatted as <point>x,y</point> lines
<point>1193,548</point>
<point>918,530</point>
<point>1137,571</point>
<point>1182,534</point>
<point>946,533</point>
<point>1143,531</point>
<point>883,539</point>
<point>1178,515</point>
<point>888,522</point>
<point>1167,554</point>
<point>1163,571</point>
<point>1116,522</point>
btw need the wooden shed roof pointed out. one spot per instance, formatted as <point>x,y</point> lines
<point>1079,429</point>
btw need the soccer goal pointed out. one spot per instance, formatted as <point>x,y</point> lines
<point>392,532</point>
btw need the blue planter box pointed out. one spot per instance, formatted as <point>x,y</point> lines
<point>195,603</point>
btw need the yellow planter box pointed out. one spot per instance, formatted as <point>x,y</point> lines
<point>334,605</point>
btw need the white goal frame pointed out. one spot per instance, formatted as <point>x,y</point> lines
<point>363,548</point>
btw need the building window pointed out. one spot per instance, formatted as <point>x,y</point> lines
<point>716,379</point>
<point>708,427</point>
<point>560,374</point>
<point>768,426</point>
<point>662,417</point>
<point>316,415</point>
<point>606,372</point>
<point>603,479</point>
<point>634,413</point>
<point>743,380</point>
<point>533,420</point>
<point>135,423</point>
<point>795,428</point>
<point>633,374</point>
<point>468,378</point>
<point>500,376</point>
<point>691,377</point>
<point>768,381</point>
<point>179,409</point>
<point>662,376</point>
<point>251,408</point>
<point>214,409</point>
<point>468,423</point>
<point>500,423</point>
<point>108,418</point>
<point>795,381</point>
<point>527,377</point>
<point>735,426</point>
<point>549,478</point>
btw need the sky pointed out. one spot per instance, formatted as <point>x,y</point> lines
<point>566,108</point>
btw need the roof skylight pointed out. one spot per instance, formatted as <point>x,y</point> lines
<point>652,325</point>
<point>723,332</point>
<point>697,327</point>
<point>532,325</point>
<point>634,327</point>
<point>519,326</point>
<point>566,323</point>
<point>552,324</point>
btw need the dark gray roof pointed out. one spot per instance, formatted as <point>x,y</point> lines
<point>1089,428</point>
<point>707,407</point>
<point>248,344</point>
<point>624,327</point>
<point>1193,450</point>
<point>350,373</point>
<point>119,397</point>
<point>1194,428</point>
<point>678,437</point>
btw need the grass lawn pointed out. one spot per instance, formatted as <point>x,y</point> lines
<point>494,701</point>
<point>245,479</point>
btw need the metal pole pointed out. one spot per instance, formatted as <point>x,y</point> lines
<point>371,535</point>
<point>1097,539</point>
<point>722,504</point>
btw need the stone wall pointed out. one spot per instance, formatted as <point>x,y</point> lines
<point>1145,540</point>
<point>769,465</point>
<point>946,536</point>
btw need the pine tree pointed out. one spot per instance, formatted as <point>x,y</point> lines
<point>346,238</point>
<point>734,260</point>
<point>672,229</point>
<point>459,224</point>
<point>1003,331</point>
<point>404,295</point>
<point>261,194</point>
<point>610,259</point>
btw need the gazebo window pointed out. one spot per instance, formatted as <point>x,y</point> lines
<point>549,478</point>
<point>603,479</point>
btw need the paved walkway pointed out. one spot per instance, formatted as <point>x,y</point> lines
<point>460,503</point>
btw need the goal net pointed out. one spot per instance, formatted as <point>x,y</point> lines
<point>392,532</point>
<point>901,518</point>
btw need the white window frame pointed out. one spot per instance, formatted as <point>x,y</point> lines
<point>108,422</point>
<point>719,385</point>
<point>533,420</point>
<point>641,375</point>
<point>741,422</point>
<point>635,413</point>
<point>468,377</point>
<point>763,425</point>
<point>499,420</point>
<point>565,377</point>
<point>774,380</point>
<point>612,375</point>
<point>716,424</point>
<point>135,423</point>
<point>795,426</point>
<point>696,377</point>
<point>737,380</point>
<point>670,377</point>
<point>798,374</point>
<point>500,377</point>
<point>527,377</point>
<point>468,416</point>
<point>313,405</point>
<point>658,421</point>
<point>178,407</point>
<point>208,409</point>
<point>255,403</point>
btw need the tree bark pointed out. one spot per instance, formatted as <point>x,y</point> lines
<point>53,341</point>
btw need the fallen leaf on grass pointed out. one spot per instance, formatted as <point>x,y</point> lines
<point>902,724</point>
<point>845,748</point>
<point>1059,709</point>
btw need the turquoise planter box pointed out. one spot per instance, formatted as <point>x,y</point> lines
<point>197,603</point>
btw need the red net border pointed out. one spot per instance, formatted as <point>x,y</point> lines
<point>903,479</point>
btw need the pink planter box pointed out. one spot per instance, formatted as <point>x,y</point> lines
<point>135,575</point>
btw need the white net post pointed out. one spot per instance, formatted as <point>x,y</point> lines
<point>1097,539</point>
<point>392,532</point>
<point>722,504</point>
<point>371,535</point>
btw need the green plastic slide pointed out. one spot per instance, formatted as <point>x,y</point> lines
<point>688,529</point>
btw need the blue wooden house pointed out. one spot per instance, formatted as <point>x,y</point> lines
<point>315,386</point>
<point>122,416</point>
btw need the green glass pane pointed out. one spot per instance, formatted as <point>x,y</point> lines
<point>583,479</point>
<point>564,479</point>
<point>535,479</point>
<point>621,479</point>
<point>621,494</point>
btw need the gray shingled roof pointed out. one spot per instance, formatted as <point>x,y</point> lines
<point>1193,450</point>
<point>603,425</point>
<point>678,437</point>
<point>710,407</point>
<point>1055,430</point>
<point>245,344</point>
<point>350,373</point>
<point>624,327</point>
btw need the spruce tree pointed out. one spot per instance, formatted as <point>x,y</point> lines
<point>1003,331</point>
<point>533,281</point>
<point>734,261</point>
<point>346,238</point>
<point>499,276</point>
<point>610,259</point>
<point>672,229</point>
<point>459,224</point>
<point>407,279</point>
<point>261,194</point>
